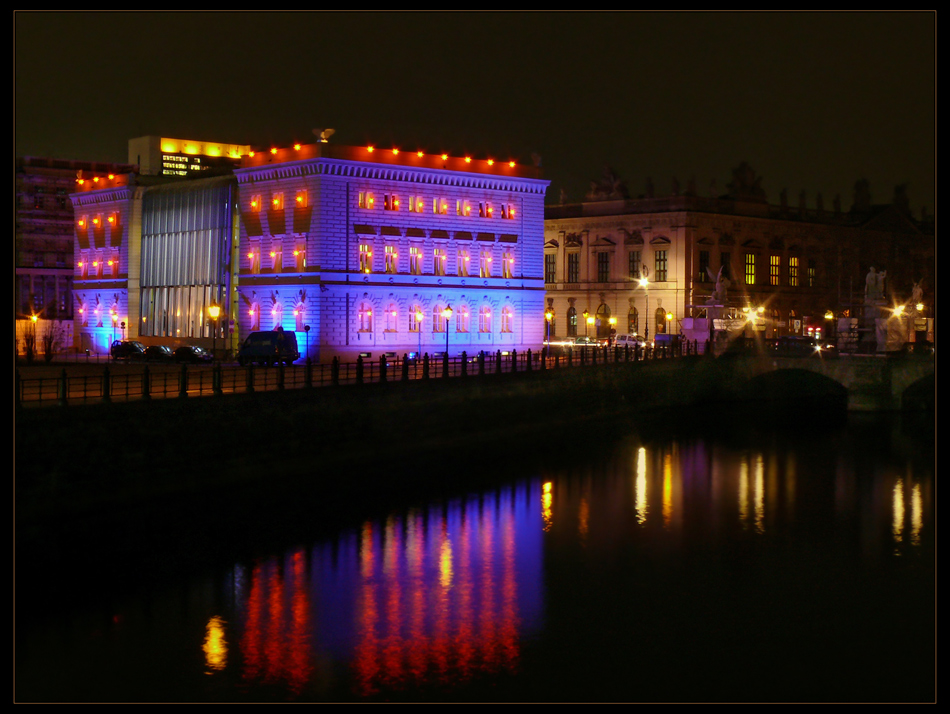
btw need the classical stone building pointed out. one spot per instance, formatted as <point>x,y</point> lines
<point>652,262</point>
<point>361,251</point>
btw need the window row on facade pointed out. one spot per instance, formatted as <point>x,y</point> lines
<point>601,268</point>
<point>439,319</point>
<point>466,262</point>
<point>438,206</point>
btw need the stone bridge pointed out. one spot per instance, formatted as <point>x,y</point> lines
<point>872,383</point>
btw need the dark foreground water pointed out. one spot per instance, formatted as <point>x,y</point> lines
<point>724,559</point>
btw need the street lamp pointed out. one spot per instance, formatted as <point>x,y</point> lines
<point>645,284</point>
<point>115,319</point>
<point>447,314</point>
<point>548,316</point>
<point>419,330</point>
<point>214,312</point>
<point>613,329</point>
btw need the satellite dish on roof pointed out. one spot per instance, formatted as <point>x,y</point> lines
<point>324,134</point>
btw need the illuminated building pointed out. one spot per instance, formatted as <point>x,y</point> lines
<point>184,158</point>
<point>44,236</point>
<point>370,246</point>
<point>375,251</point>
<point>651,262</point>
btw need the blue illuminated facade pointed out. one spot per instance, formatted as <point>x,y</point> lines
<point>376,252</point>
<point>369,247</point>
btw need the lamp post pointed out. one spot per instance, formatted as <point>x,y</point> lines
<point>419,330</point>
<point>115,319</point>
<point>613,329</point>
<point>645,284</point>
<point>214,312</point>
<point>447,314</point>
<point>548,316</point>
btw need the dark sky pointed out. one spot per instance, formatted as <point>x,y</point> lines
<point>812,101</point>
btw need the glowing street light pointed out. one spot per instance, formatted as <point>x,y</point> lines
<point>214,312</point>
<point>447,315</point>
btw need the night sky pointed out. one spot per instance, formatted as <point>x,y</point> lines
<point>812,101</point>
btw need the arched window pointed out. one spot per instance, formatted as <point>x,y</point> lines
<point>277,313</point>
<point>484,319</point>
<point>462,319</point>
<point>392,318</point>
<point>507,319</point>
<point>603,320</point>
<point>415,318</point>
<point>439,323</point>
<point>660,318</point>
<point>572,322</point>
<point>254,312</point>
<point>365,318</point>
<point>633,321</point>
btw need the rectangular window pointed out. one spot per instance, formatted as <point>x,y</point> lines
<point>726,265</point>
<point>775,269</point>
<point>550,267</point>
<point>703,266</point>
<point>633,264</point>
<point>440,206</point>
<point>415,319</point>
<point>276,257</point>
<point>750,268</point>
<point>366,199</point>
<point>603,267</point>
<point>438,261</point>
<point>256,204</point>
<point>391,259</point>
<point>390,202</point>
<point>366,258</point>
<point>508,265</point>
<point>416,204</point>
<point>300,258</point>
<point>573,267</point>
<point>415,260</point>
<point>659,266</point>
<point>277,201</point>
<point>812,272</point>
<point>793,271</point>
<point>463,260</point>
<point>301,198</point>
<point>461,319</point>
<point>254,258</point>
<point>485,264</point>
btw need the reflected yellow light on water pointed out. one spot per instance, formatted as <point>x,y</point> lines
<point>547,498</point>
<point>667,490</point>
<point>446,573</point>
<point>897,509</point>
<point>916,514</point>
<point>640,490</point>
<point>744,493</point>
<point>583,519</point>
<point>215,646</point>
<point>759,494</point>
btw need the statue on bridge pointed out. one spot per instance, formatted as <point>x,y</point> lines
<point>874,286</point>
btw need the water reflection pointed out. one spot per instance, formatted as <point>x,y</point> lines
<point>556,574</point>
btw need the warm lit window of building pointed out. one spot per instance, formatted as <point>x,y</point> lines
<point>812,272</point>
<point>83,263</point>
<point>508,265</point>
<point>438,261</point>
<point>439,323</point>
<point>461,319</point>
<point>391,202</point>
<point>276,257</point>
<point>300,257</point>
<point>572,322</point>
<point>633,321</point>
<point>603,267</point>
<point>256,203</point>
<point>750,268</point>
<point>415,319</point>
<point>463,208</point>
<point>775,269</point>
<point>507,319</point>
<point>440,206</point>
<point>484,319</point>
<point>254,312</point>
<point>485,264</point>
<point>793,271</point>
<point>416,204</point>
<point>277,315</point>
<point>366,200</point>
<point>660,266</point>
<point>366,258</point>
<point>254,257</point>
<point>415,260</point>
<point>391,259</point>
<point>277,201</point>
<point>463,259</point>
<point>365,315</point>
<point>392,318</point>
<point>112,264</point>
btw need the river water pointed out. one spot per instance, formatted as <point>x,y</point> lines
<point>737,560</point>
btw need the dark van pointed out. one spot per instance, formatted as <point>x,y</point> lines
<point>269,348</point>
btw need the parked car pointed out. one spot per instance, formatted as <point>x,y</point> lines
<point>193,354</point>
<point>269,348</point>
<point>631,341</point>
<point>127,349</point>
<point>159,353</point>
